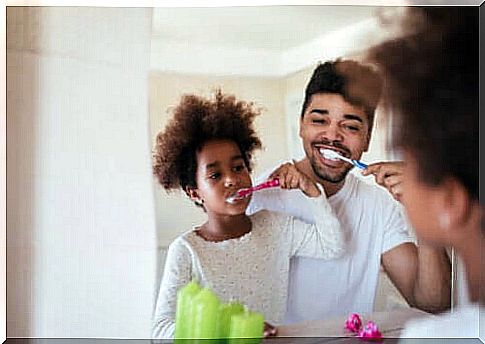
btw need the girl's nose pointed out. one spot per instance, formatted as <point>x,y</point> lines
<point>230,181</point>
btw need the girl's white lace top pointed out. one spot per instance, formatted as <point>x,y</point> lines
<point>252,269</point>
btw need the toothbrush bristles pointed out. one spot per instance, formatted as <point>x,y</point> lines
<point>235,197</point>
<point>330,154</point>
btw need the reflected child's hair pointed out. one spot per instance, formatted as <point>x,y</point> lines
<point>432,76</point>
<point>195,121</point>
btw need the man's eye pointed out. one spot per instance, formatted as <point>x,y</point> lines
<point>318,121</point>
<point>352,128</point>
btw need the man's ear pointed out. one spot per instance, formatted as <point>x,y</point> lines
<point>300,129</point>
<point>368,137</point>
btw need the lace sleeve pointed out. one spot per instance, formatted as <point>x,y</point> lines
<point>176,274</point>
<point>324,239</point>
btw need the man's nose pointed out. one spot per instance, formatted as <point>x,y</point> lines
<point>332,133</point>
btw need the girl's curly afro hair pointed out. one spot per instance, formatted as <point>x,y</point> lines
<point>195,121</point>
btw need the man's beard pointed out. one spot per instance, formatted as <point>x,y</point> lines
<point>321,172</point>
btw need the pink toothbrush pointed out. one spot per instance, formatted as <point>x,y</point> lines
<point>243,193</point>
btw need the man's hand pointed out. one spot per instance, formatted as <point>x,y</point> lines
<point>389,175</point>
<point>269,330</point>
<point>291,178</point>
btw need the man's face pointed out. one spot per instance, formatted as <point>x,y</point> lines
<point>329,122</point>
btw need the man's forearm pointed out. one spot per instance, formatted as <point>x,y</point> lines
<point>432,290</point>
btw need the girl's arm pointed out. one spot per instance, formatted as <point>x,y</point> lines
<point>176,274</point>
<point>324,238</point>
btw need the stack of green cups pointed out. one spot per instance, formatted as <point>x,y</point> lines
<point>183,315</point>
<point>205,309</point>
<point>200,315</point>
<point>246,327</point>
<point>226,312</point>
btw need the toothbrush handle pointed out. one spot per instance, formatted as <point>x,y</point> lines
<point>359,164</point>
<point>267,184</point>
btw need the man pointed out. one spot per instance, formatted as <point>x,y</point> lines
<point>337,114</point>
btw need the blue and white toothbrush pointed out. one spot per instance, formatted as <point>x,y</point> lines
<point>333,155</point>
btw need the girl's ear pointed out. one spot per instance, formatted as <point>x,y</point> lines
<point>193,194</point>
<point>456,206</point>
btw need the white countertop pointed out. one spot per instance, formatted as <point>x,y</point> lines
<point>390,324</point>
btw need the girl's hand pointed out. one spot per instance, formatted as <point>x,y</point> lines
<point>291,178</point>
<point>269,330</point>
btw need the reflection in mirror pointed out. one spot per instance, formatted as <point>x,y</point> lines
<point>264,55</point>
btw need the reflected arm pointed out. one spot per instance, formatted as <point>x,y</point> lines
<point>422,275</point>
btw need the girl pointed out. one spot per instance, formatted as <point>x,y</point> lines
<point>433,86</point>
<point>206,151</point>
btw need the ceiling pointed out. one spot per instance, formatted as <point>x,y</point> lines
<point>275,28</point>
<point>270,41</point>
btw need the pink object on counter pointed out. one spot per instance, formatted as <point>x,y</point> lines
<point>353,323</point>
<point>370,332</point>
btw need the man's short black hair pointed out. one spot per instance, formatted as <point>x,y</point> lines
<point>358,84</point>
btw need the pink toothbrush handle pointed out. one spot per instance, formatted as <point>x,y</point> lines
<point>265,185</point>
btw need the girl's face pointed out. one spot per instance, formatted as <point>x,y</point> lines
<point>220,173</point>
<point>423,204</point>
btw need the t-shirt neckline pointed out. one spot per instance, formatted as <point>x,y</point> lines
<point>344,192</point>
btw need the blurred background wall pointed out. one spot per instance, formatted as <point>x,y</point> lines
<point>81,240</point>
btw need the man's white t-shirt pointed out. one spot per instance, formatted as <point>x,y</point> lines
<point>372,223</point>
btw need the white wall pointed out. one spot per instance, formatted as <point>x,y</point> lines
<point>81,243</point>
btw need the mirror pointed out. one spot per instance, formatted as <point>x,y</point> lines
<point>264,55</point>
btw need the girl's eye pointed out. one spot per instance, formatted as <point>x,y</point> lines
<point>214,175</point>
<point>239,168</point>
